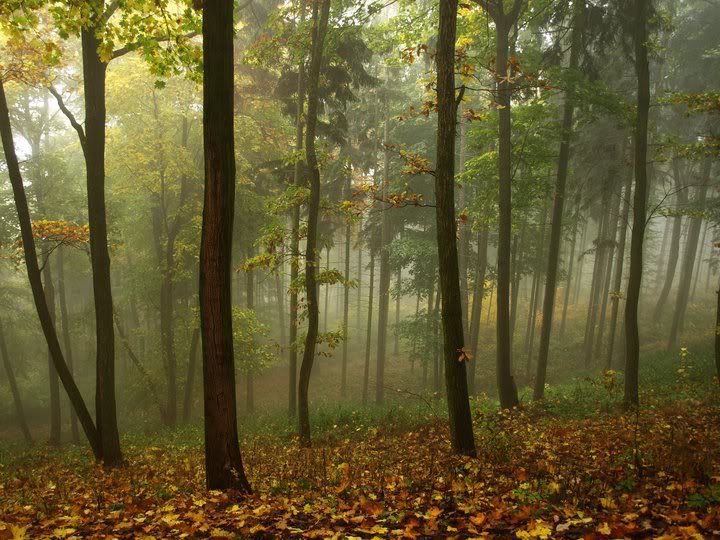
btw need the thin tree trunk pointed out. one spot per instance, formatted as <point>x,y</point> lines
<point>478,293</point>
<point>701,250</point>
<point>557,212</point>
<point>55,413</point>
<point>250,304</point>
<point>346,299</point>
<point>190,379</point>
<point>632,338</point>
<point>67,342</point>
<point>35,279</point>
<point>396,345</point>
<point>578,281</point>
<point>368,329</point>
<point>597,283</point>
<point>686,271</point>
<point>674,250</point>
<point>14,390</point>
<point>619,262</point>
<point>223,462</point>
<point>321,15</point>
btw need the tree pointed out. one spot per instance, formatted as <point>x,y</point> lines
<point>640,15</point>
<point>320,16</point>
<point>35,279</point>
<point>454,354</point>
<point>558,206</point>
<point>504,21</point>
<point>223,462</point>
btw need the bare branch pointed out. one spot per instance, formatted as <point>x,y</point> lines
<point>70,116</point>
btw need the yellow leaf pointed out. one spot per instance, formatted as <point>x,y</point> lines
<point>604,529</point>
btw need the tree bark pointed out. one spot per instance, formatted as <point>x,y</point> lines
<point>346,298</point>
<point>223,462</point>
<point>632,338</point>
<point>321,15</point>
<point>35,279</point>
<point>454,355</point>
<point>55,413</point>
<point>478,293</point>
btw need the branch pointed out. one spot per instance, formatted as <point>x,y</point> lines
<point>117,53</point>
<point>70,116</point>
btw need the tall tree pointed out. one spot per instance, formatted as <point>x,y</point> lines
<point>558,205</point>
<point>35,279</point>
<point>14,390</point>
<point>640,16</point>
<point>223,462</point>
<point>504,21</point>
<point>455,355</point>
<point>321,14</point>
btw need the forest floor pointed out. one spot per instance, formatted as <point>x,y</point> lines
<point>539,473</point>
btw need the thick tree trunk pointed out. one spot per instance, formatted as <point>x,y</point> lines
<point>321,14</point>
<point>190,379</point>
<point>14,390</point>
<point>454,355</point>
<point>632,338</point>
<point>94,73</point>
<point>674,250</point>
<point>619,262</point>
<point>67,342</point>
<point>691,248</point>
<point>35,279</point>
<point>368,329</point>
<point>223,462</point>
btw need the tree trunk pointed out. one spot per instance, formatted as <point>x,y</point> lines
<point>619,262</point>
<point>478,293</point>
<point>94,73</point>
<point>396,346</point>
<point>250,304</point>
<point>368,329</point>
<point>223,462</point>
<point>320,23</point>
<point>14,390</point>
<point>455,355</point>
<point>581,263</point>
<point>298,181</point>
<point>505,382</point>
<point>717,334</point>
<point>35,279</point>
<point>674,250</point>
<point>691,248</point>
<point>327,290</point>
<point>67,343</point>
<point>632,338</point>
<point>701,250</point>
<point>346,300</point>
<point>190,379</point>
<point>55,413</point>
<point>557,211</point>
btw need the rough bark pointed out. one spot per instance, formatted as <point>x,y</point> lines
<point>454,355</point>
<point>223,462</point>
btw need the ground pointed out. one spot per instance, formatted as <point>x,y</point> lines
<point>541,472</point>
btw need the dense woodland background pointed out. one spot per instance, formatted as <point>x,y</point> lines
<point>327,231</point>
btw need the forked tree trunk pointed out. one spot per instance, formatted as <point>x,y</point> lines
<point>321,15</point>
<point>223,462</point>
<point>94,73</point>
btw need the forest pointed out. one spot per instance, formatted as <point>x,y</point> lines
<point>360,269</point>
